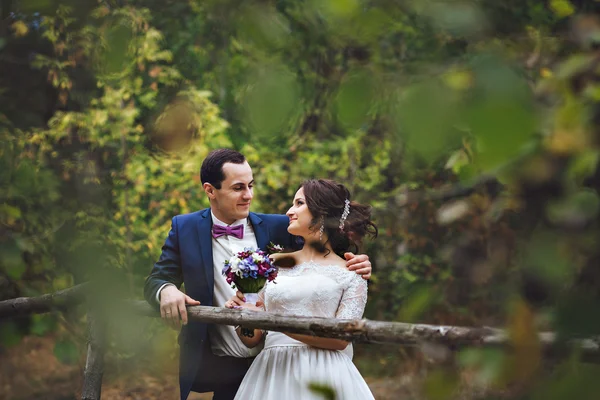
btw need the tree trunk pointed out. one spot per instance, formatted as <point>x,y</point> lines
<point>94,364</point>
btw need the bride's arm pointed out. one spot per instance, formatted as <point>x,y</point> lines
<point>253,341</point>
<point>259,334</point>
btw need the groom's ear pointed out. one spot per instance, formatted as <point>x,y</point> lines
<point>209,190</point>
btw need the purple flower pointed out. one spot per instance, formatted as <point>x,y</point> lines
<point>249,268</point>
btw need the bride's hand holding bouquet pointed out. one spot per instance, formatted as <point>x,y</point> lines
<point>249,271</point>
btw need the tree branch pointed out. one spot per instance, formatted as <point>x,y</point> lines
<point>366,331</point>
<point>454,192</point>
<point>43,304</point>
<point>361,331</point>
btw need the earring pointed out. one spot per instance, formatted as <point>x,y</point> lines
<point>321,230</point>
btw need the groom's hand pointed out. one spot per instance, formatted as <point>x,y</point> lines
<point>172,306</point>
<point>359,263</point>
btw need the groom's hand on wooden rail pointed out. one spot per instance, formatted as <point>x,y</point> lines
<point>172,306</point>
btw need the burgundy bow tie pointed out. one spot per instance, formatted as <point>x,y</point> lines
<point>220,230</point>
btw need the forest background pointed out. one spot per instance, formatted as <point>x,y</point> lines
<point>471,127</point>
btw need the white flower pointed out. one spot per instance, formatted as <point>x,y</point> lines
<point>234,262</point>
<point>257,258</point>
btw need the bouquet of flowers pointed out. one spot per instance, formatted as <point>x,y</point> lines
<point>249,270</point>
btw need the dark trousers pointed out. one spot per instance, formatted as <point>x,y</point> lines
<point>220,374</point>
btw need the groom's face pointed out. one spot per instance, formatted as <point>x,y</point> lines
<point>232,201</point>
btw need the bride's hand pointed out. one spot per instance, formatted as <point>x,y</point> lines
<point>238,301</point>
<point>247,306</point>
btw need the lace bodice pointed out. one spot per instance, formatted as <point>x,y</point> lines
<point>314,290</point>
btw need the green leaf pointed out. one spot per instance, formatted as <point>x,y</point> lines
<point>9,334</point>
<point>11,211</point>
<point>574,65</point>
<point>576,209</point>
<point>409,276</point>
<point>571,380</point>
<point>337,9</point>
<point>66,352</point>
<point>426,116</point>
<point>270,102</point>
<point>416,304</point>
<point>562,8</point>
<point>44,7</point>
<point>457,161</point>
<point>501,114</point>
<point>441,385</point>
<point>263,26</point>
<point>543,258</point>
<point>12,260</point>
<point>42,324</point>
<point>327,392</point>
<point>457,17</point>
<point>354,99</point>
<point>583,165</point>
<point>488,364</point>
<point>249,285</point>
<point>117,55</point>
<point>16,271</point>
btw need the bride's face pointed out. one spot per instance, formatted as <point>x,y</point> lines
<point>300,216</point>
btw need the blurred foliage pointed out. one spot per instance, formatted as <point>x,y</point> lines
<point>109,107</point>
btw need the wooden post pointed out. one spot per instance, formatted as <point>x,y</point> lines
<point>94,364</point>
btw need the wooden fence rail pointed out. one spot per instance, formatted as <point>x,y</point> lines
<point>364,331</point>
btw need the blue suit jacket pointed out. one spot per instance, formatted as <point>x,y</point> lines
<point>187,258</point>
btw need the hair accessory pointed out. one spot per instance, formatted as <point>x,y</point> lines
<point>345,214</point>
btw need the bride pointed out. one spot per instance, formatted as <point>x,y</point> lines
<point>318,285</point>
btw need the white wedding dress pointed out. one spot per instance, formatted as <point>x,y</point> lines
<point>286,367</point>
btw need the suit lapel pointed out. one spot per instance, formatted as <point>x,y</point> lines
<point>261,231</point>
<point>205,240</point>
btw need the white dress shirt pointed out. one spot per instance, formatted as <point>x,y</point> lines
<point>224,339</point>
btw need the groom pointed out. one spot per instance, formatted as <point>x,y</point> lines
<point>212,358</point>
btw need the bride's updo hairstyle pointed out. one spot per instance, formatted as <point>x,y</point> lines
<point>326,201</point>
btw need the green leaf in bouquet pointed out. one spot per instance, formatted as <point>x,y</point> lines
<point>250,285</point>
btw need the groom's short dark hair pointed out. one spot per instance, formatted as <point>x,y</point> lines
<point>212,166</point>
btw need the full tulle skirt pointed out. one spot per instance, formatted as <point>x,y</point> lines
<point>286,368</point>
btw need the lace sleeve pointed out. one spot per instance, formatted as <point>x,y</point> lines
<point>354,299</point>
